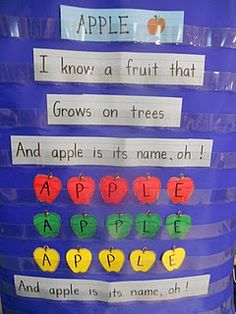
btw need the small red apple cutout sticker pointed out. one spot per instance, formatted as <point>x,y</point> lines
<point>156,25</point>
<point>147,189</point>
<point>113,189</point>
<point>180,189</point>
<point>81,189</point>
<point>47,187</point>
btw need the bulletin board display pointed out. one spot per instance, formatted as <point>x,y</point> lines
<point>117,157</point>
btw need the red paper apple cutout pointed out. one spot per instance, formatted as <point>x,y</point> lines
<point>81,189</point>
<point>113,189</point>
<point>47,187</point>
<point>147,189</point>
<point>180,189</point>
<point>156,25</point>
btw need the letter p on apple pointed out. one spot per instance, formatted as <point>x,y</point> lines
<point>118,224</point>
<point>79,188</point>
<point>110,259</point>
<point>83,224</point>
<point>77,259</point>
<point>112,187</point>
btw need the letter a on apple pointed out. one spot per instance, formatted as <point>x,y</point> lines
<point>46,258</point>
<point>47,187</point>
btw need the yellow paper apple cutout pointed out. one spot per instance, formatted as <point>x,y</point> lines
<point>112,260</point>
<point>142,260</point>
<point>47,259</point>
<point>79,260</point>
<point>173,259</point>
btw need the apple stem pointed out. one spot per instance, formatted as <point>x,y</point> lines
<point>179,213</point>
<point>149,213</point>
<point>49,175</point>
<point>181,176</point>
<point>45,248</point>
<point>110,248</point>
<point>148,176</point>
<point>78,248</point>
<point>116,176</point>
<point>144,249</point>
<point>46,212</point>
<point>173,248</point>
<point>84,214</point>
<point>81,176</point>
<point>121,214</point>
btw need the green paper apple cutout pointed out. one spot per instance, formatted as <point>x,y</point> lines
<point>47,224</point>
<point>148,224</point>
<point>178,225</point>
<point>119,225</point>
<point>84,226</point>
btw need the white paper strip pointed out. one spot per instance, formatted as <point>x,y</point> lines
<point>108,151</point>
<point>114,110</point>
<point>111,292</point>
<point>118,67</point>
<point>117,24</point>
